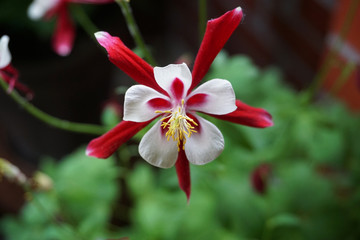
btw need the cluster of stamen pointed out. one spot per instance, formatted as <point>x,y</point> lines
<point>179,125</point>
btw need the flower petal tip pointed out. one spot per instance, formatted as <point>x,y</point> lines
<point>5,38</point>
<point>268,120</point>
<point>103,38</point>
<point>33,13</point>
<point>63,50</point>
<point>187,198</point>
<point>271,123</point>
<point>92,151</point>
<point>89,151</point>
<point>5,55</point>
<point>238,10</point>
<point>187,191</point>
<point>101,34</point>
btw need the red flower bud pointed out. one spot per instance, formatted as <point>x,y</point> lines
<point>259,178</point>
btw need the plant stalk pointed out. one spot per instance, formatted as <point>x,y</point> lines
<point>202,18</point>
<point>330,58</point>
<point>51,120</point>
<point>134,30</point>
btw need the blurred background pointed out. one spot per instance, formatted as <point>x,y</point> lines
<point>294,37</point>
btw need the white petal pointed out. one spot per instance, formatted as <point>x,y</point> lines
<point>164,76</point>
<point>38,8</point>
<point>220,97</point>
<point>136,107</point>
<point>156,149</point>
<point>205,145</point>
<point>5,55</point>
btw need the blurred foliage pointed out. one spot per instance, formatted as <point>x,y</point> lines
<point>79,206</point>
<point>312,191</point>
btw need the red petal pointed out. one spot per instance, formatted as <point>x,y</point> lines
<point>128,61</point>
<point>64,35</point>
<point>10,75</point>
<point>183,173</point>
<point>218,31</point>
<point>105,145</point>
<point>249,116</point>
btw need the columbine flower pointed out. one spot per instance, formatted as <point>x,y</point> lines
<point>7,71</point>
<point>64,35</point>
<point>168,93</point>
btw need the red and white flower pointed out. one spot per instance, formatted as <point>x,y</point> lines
<point>180,135</point>
<point>7,71</point>
<point>64,34</point>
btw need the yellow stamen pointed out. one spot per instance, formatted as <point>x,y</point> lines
<point>180,126</point>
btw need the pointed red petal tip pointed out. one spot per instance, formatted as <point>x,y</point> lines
<point>126,60</point>
<point>217,32</point>
<point>90,150</point>
<point>63,38</point>
<point>238,10</point>
<point>102,38</point>
<point>183,172</point>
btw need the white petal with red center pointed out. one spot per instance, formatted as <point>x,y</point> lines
<point>216,96</point>
<point>141,102</point>
<point>38,8</point>
<point>205,145</point>
<point>5,55</point>
<point>165,77</point>
<point>156,149</point>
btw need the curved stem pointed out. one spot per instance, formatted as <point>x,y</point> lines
<point>134,30</point>
<point>344,75</point>
<point>50,120</point>
<point>85,22</point>
<point>202,18</point>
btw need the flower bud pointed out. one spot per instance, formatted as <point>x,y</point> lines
<point>42,182</point>
<point>11,172</point>
<point>259,178</point>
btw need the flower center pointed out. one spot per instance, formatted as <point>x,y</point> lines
<point>179,124</point>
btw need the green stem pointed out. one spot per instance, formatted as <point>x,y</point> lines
<point>320,76</point>
<point>330,58</point>
<point>344,75</point>
<point>202,18</point>
<point>134,30</point>
<point>50,120</point>
<point>83,19</point>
